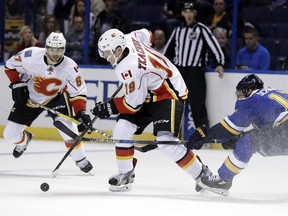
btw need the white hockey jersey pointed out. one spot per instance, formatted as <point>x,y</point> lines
<point>45,81</point>
<point>148,76</point>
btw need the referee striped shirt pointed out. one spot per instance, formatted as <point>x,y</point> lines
<point>188,46</point>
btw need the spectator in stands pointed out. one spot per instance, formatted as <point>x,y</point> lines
<point>159,40</point>
<point>205,9</point>
<point>75,40</point>
<point>79,9</point>
<point>41,13</point>
<point>14,9</point>
<point>222,38</point>
<point>49,25</point>
<point>26,40</point>
<point>97,6</point>
<point>172,9</point>
<point>172,15</point>
<point>50,6</point>
<point>109,18</point>
<point>253,56</point>
<point>242,24</point>
<point>61,10</point>
<point>219,17</point>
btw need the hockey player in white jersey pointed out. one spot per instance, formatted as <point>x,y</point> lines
<point>154,92</point>
<point>48,77</point>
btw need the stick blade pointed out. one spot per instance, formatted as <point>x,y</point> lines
<point>55,173</point>
<point>145,148</point>
<point>59,125</point>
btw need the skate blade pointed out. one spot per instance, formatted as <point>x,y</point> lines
<point>121,188</point>
<point>90,173</point>
<point>221,192</point>
<point>203,192</point>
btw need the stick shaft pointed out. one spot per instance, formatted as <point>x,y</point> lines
<point>102,133</point>
<point>78,138</point>
<point>148,142</point>
<point>90,125</point>
<point>53,111</point>
<point>143,149</point>
<point>74,144</point>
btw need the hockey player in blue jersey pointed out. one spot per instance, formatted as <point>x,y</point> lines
<point>266,109</point>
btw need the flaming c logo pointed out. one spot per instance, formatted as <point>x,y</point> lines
<point>46,86</point>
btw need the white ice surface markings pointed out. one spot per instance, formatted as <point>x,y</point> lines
<point>160,187</point>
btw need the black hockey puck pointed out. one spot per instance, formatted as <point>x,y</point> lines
<point>44,187</point>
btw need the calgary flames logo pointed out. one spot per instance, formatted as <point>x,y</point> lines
<point>46,86</point>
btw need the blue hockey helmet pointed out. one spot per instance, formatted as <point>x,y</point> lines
<point>251,81</point>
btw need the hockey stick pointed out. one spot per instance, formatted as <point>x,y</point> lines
<point>61,115</point>
<point>53,111</point>
<point>66,130</point>
<point>148,142</point>
<point>55,171</point>
<point>76,137</point>
<point>143,149</point>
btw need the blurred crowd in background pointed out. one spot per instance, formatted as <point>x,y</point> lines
<point>28,23</point>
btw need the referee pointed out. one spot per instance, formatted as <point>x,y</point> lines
<point>187,48</point>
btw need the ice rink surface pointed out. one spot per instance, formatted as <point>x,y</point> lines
<point>160,187</point>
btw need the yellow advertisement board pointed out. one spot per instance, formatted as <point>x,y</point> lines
<point>12,33</point>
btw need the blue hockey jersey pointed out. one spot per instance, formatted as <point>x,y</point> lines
<point>264,109</point>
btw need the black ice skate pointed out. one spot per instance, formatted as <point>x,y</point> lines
<point>216,184</point>
<point>122,182</point>
<point>85,165</point>
<point>20,148</point>
<point>205,172</point>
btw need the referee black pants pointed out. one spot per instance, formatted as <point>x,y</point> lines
<point>194,78</point>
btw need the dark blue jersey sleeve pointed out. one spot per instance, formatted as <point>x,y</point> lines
<point>218,132</point>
